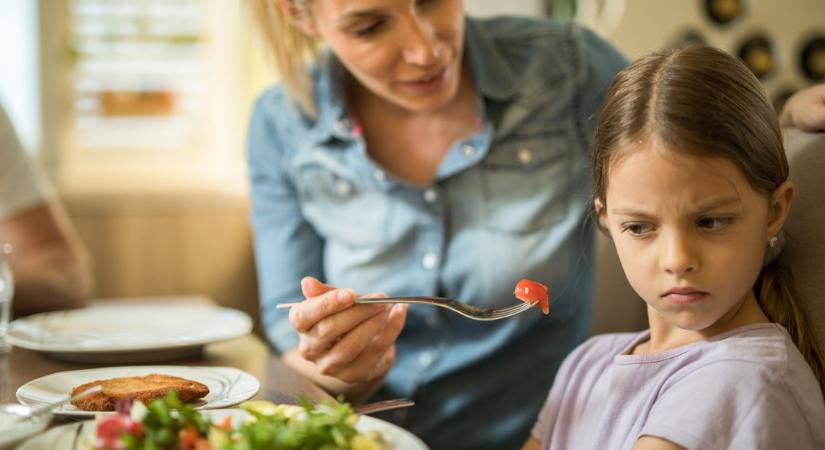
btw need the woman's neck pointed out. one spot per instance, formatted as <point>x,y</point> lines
<point>665,336</point>
<point>411,144</point>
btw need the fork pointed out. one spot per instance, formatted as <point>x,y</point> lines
<point>466,310</point>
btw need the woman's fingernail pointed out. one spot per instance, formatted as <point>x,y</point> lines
<point>344,294</point>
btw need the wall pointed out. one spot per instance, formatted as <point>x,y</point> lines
<point>173,243</point>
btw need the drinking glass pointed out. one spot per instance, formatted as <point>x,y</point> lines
<point>6,294</point>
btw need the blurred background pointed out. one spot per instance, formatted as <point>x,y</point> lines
<point>137,111</point>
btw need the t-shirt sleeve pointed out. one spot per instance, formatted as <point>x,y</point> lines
<point>729,405</point>
<point>581,367</point>
<point>549,412</point>
<point>21,185</point>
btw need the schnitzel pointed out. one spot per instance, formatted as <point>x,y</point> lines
<point>145,389</point>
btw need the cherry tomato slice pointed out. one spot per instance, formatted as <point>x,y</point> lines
<point>534,293</point>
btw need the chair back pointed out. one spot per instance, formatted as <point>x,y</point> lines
<point>804,250</point>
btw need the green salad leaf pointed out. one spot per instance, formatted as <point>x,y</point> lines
<point>169,424</point>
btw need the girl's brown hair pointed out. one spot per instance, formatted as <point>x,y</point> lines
<point>701,100</point>
<point>289,47</point>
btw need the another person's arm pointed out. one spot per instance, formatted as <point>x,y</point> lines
<point>50,266</point>
<point>805,110</point>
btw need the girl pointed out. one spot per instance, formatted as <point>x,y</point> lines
<point>691,184</point>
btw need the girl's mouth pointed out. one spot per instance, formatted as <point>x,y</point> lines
<point>683,296</point>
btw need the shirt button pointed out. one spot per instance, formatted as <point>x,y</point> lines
<point>430,195</point>
<point>379,176</point>
<point>343,188</point>
<point>429,260</point>
<point>468,150</point>
<point>342,125</point>
<point>525,155</point>
<point>425,358</point>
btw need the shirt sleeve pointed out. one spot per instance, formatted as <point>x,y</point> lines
<point>729,404</point>
<point>21,186</point>
<point>599,62</point>
<point>563,384</point>
<point>287,248</point>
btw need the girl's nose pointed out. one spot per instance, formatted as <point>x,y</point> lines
<point>421,46</point>
<point>678,255</point>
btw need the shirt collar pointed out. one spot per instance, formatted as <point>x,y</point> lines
<point>328,77</point>
<point>490,70</point>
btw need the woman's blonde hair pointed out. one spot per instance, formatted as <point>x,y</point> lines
<point>288,47</point>
<point>701,100</point>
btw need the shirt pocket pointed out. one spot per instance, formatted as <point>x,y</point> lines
<point>342,207</point>
<point>526,182</point>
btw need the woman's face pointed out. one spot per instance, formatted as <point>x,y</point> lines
<point>406,52</point>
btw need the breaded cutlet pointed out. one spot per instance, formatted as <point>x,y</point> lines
<point>145,389</point>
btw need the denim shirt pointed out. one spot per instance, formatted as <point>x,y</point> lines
<point>508,202</point>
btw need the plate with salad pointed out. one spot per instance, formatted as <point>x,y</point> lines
<point>169,424</point>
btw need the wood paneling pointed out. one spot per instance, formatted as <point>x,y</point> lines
<point>146,244</point>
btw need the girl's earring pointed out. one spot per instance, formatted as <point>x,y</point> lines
<point>773,247</point>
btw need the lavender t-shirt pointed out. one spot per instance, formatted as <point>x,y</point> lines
<point>749,388</point>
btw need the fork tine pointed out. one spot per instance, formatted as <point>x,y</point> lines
<point>511,311</point>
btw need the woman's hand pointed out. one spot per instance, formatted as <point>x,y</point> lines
<point>805,109</point>
<point>349,342</point>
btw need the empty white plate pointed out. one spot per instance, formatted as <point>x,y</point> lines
<point>128,332</point>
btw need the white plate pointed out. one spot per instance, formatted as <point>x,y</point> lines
<point>128,332</point>
<point>73,436</point>
<point>12,432</point>
<point>227,386</point>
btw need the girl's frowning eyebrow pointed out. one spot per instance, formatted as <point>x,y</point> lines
<point>702,209</point>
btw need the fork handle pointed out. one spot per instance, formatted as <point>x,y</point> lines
<point>376,300</point>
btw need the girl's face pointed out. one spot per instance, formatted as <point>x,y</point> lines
<point>406,52</point>
<point>690,233</point>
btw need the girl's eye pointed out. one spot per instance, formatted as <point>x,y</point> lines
<point>369,29</point>
<point>713,223</point>
<point>637,229</point>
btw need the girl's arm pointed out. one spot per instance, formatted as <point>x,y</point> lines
<point>654,443</point>
<point>531,444</point>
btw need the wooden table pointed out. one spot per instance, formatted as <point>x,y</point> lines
<point>279,383</point>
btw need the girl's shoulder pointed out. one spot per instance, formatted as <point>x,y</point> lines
<point>753,378</point>
<point>766,345</point>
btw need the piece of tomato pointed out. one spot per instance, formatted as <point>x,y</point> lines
<point>111,428</point>
<point>188,438</point>
<point>534,293</point>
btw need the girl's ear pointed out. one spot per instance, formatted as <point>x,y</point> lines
<point>780,207</point>
<point>298,18</point>
<point>601,216</point>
